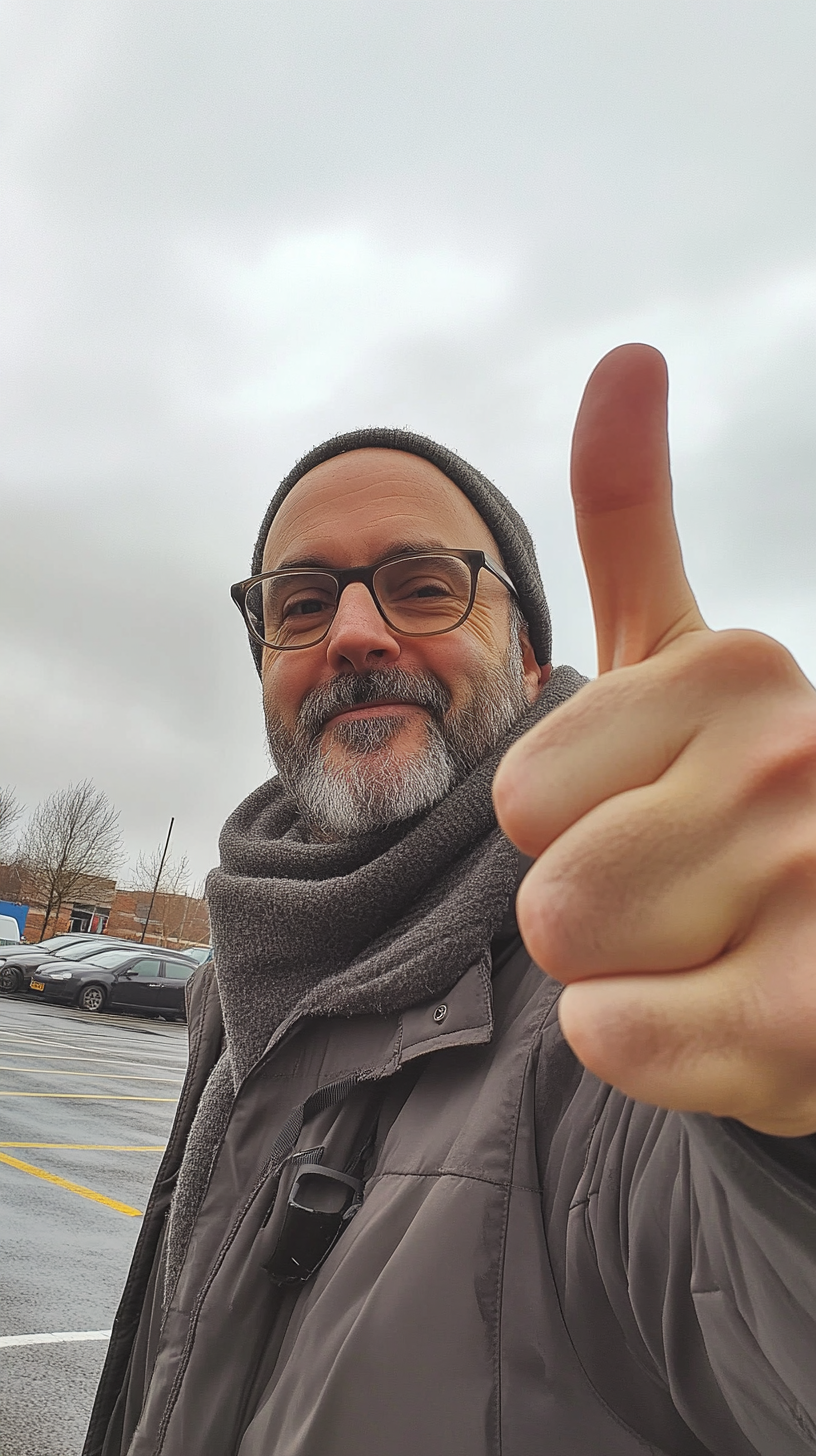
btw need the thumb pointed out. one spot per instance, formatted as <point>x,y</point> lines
<point>621,489</point>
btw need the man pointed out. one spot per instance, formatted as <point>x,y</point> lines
<point>403,1209</point>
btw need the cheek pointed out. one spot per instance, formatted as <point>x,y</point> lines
<point>286,682</point>
<point>465,654</point>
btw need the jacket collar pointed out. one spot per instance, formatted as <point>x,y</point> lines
<point>462,1017</point>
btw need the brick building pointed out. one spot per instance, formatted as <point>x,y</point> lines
<point>175,920</point>
<point>88,910</point>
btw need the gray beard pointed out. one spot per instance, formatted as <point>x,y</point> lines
<point>374,788</point>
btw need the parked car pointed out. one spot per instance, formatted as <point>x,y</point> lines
<point>18,969</point>
<point>54,942</point>
<point>9,930</point>
<point>199,953</point>
<point>142,979</point>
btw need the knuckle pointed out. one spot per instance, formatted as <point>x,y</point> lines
<point>732,663</point>
<point>792,874</point>
<point>780,765</point>
<point>517,808</point>
<point>624,1040</point>
<point>743,660</point>
<point>556,730</point>
<point>562,932</point>
<point>545,924</point>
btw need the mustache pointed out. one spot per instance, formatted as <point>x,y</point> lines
<point>354,690</point>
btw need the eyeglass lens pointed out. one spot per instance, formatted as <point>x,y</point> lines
<point>417,595</point>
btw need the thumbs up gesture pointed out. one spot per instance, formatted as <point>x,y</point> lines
<point>671,808</point>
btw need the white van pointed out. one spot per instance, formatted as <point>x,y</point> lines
<point>9,930</point>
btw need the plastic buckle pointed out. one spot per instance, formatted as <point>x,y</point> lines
<point>321,1203</point>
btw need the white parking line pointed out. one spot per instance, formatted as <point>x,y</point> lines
<point>132,1030</point>
<point>31,1042</point>
<point>88,1097</point>
<point>116,1061</point>
<point>105,1076</point>
<point>59,1339</point>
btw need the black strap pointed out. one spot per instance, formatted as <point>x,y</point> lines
<point>315,1214</point>
<point>327,1096</point>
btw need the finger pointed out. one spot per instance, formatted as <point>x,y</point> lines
<point>674,1041</point>
<point>667,875</point>
<point>733,1039</point>
<point>619,732</point>
<point>657,841</point>
<point>621,488</point>
<point>631,888</point>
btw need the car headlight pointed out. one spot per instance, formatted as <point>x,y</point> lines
<point>60,975</point>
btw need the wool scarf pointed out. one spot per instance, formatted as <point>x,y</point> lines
<point>378,923</point>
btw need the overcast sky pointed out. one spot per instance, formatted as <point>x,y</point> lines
<point>228,230</point>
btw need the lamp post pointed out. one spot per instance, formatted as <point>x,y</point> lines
<point>156,886</point>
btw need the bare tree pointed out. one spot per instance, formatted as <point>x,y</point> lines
<point>176,908</point>
<point>175,875</point>
<point>71,839</point>
<point>10,811</point>
<point>181,917</point>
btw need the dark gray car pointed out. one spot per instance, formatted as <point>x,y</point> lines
<point>17,969</point>
<point>53,943</point>
<point>140,979</point>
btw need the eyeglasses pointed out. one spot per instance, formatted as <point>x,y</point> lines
<point>418,595</point>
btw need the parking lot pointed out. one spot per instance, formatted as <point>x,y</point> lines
<point>86,1104</point>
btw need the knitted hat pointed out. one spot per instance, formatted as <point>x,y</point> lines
<point>505,523</point>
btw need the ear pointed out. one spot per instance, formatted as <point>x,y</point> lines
<point>535,674</point>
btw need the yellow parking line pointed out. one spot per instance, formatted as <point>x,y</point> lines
<point>89,1096</point>
<point>93,1147</point>
<point>72,1187</point>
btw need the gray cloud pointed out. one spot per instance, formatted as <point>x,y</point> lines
<point>230,230</point>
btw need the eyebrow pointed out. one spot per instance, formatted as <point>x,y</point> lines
<point>399,548</point>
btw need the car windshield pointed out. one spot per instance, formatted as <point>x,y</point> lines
<point>55,941</point>
<point>110,959</point>
<point>81,951</point>
<point>199,953</point>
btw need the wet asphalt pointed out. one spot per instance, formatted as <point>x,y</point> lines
<point>89,1100</point>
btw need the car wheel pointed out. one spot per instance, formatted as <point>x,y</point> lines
<point>10,979</point>
<point>91,998</point>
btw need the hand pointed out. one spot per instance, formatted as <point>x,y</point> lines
<point>671,805</point>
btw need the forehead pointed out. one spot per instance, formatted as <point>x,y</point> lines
<point>353,509</point>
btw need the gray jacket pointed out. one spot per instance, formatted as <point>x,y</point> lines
<point>538,1264</point>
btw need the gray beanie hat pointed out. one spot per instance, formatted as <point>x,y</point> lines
<point>502,519</point>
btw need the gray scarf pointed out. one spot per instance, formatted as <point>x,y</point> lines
<point>374,924</point>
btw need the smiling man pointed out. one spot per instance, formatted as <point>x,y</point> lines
<point>418,1196</point>
<point>399,705</point>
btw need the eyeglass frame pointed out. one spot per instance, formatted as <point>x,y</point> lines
<point>345,576</point>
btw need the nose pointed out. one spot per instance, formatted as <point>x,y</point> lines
<point>359,636</point>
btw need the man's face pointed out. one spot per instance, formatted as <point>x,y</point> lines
<point>367,726</point>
